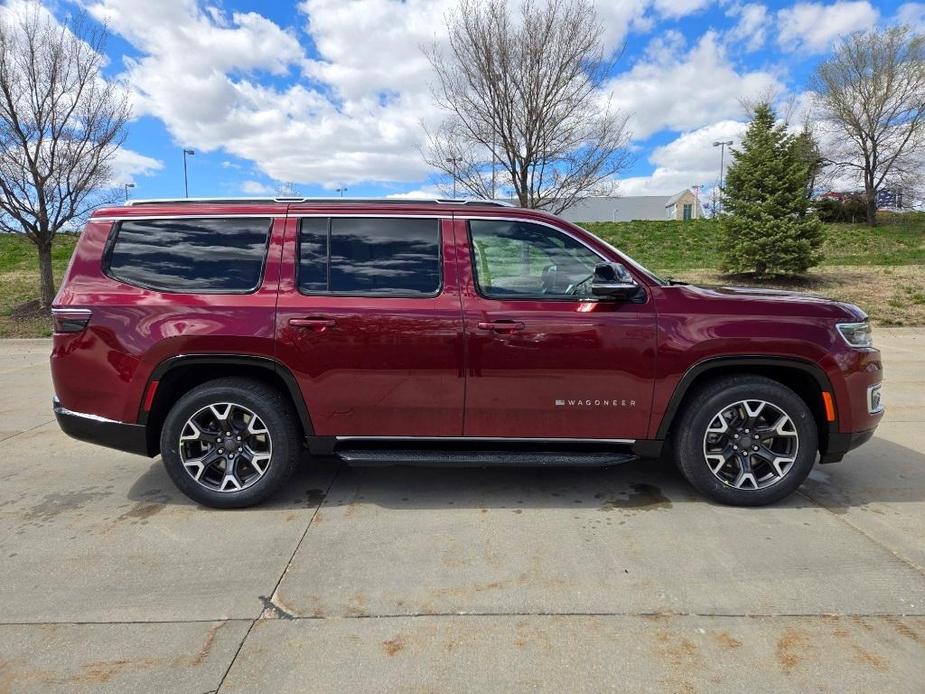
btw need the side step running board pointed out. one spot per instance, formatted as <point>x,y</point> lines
<point>469,458</point>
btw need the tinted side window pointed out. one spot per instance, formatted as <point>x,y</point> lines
<point>313,254</point>
<point>191,255</point>
<point>391,257</point>
<point>523,260</point>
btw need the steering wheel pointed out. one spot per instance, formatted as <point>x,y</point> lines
<point>573,288</point>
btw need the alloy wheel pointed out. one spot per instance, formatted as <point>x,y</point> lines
<point>225,447</point>
<point>751,444</point>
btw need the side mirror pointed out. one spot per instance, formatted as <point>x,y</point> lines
<point>613,281</point>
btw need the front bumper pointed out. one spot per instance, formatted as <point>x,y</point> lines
<point>840,443</point>
<point>92,428</point>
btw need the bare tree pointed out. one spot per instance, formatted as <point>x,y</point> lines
<point>60,125</point>
<point>524,90</point>
<point>871,95</point>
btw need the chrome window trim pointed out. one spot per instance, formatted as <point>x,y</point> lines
<point>191,215</point>
<point>526,220</point>
<point>116,229</point>
<point>303,200</point>
<point>315,215</point>
<point>441,261</point>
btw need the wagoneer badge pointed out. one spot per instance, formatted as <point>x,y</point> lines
<point>595,403</point>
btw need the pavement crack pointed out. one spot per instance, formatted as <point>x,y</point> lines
<point>272,610</point>
<point>271,604</point>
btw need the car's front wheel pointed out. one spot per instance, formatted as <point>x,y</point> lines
<point>746,440</point>
<point>230,443</point>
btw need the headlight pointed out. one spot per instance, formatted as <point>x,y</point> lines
<point>856,334</point>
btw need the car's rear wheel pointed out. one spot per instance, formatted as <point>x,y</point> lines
<point>746,440</point>
<point>230,443</point>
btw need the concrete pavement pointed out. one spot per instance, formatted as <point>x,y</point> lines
<point>402,579</point>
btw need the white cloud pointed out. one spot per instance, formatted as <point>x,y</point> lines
<point>374,46</point>
<point>913,14</point>
<point>812,27</point>
<point>352,111</point>
<point>689,160</point>
<point>126,164</point>
<point>622,17</point>
<point>257,188</point>
<point>423,193</point>
<point>683,91</point>
<point>674,9</point>
<point>357,118</point>
<point>751,28</point>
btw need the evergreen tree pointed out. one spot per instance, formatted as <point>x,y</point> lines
<point>768,228</point>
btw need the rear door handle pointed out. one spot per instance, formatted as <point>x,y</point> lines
<point>316,323</point>
<point>501,326</point>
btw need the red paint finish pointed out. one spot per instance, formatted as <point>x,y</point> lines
<point>385,366</point>
<point>449,365</point>
<point>104,370</point>
<point>698,324</point>
<point>576,369</point>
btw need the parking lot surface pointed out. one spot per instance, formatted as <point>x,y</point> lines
<point>408,579</point>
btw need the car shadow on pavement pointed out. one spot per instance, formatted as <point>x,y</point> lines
<point>882,471</point>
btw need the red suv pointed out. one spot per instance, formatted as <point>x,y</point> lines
<point>228,335</point>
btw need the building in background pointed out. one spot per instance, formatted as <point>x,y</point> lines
<point>680,206</point>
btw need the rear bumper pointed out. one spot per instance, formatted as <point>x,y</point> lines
<point>131,438</point>
<point>840,443</point>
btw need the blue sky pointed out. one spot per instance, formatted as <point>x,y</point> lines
<point>322,94</point>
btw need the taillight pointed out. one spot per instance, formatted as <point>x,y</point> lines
<point>70,320</point>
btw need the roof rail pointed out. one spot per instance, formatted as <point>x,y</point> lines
<point>338,200</point>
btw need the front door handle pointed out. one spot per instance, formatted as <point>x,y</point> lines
<point>501,326</point>
<point>316,323</point>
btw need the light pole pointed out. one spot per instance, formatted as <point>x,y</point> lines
<point>455,162</point>
<point>186,152</point>
<point>722,144</point>
<point>127,186</point>
<point>341,190</point>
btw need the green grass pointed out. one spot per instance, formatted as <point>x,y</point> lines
<point>19,281</point>
<point>670,246</point>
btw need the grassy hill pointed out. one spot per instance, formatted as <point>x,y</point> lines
<point>669,246</point>
<point>882,270</point>
<point>19,283</point>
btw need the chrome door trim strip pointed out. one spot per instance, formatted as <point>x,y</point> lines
<point>499,439</point>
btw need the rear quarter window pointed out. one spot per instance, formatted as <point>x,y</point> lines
<point>191,256</point>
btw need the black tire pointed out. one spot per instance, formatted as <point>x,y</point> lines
<point>273,410</point>
<point>704,409</point>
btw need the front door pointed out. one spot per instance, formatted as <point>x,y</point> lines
<point>544,358</point>
<point>370,322</point>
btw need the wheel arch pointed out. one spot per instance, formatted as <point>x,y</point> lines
<point>177,375</point>
<point>807,379</point>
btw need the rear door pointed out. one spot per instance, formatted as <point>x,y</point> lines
<point>544,358</point>
<point>369,320</point>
